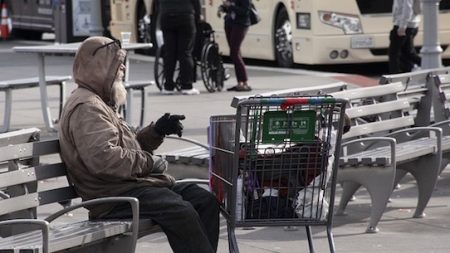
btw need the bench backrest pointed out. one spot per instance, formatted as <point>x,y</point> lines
<point>24,165</point>
<point>418,91</point>
<point>375,111</point>
<point>441,104</point>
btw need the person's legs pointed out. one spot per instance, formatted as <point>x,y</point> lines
<point>170,60</point>
<point>395,48</point>
<point>237,36</point>
<point>409,50</point>
<point>178,219</point>
<point>186,36</point>
<point>206,206</point>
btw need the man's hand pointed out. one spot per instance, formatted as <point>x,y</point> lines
<point>169,124</point>
<point>401,31</point>
<point>160,165</point>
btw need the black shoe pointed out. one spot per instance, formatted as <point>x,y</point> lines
<point>168,86</point>
<point>240,88</point>
<point>234,88</point>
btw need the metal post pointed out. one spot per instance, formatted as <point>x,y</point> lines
<point>431,50</point>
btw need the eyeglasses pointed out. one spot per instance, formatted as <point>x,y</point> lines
<point>117,42</point>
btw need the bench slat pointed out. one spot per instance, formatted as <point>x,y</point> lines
<point>57,195</point>
<point>30,200</point>
<point>68,235</point>
<point>27,150</point>
<point>379,126</point>
<point>372,109</point>
<point>13,152</point>
<point>367,92</point>
<point>27,175</point>
<point>19,136</point>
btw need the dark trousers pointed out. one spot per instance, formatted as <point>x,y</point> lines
<point>187,213</point>
<point>179,35</point>
<point>235,36</point>
<point>402,54</point>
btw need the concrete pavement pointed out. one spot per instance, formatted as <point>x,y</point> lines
<point>398,231</point>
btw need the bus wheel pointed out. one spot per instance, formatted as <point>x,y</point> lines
<point>143,28</point>
<point>283,40</point>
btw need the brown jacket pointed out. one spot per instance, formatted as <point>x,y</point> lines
<point>103,156</point>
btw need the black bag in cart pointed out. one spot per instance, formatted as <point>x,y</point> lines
<point>254,16</point>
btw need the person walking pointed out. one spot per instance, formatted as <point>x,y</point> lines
<point>178,25</point>
<point>237,22</point>
<point>402,54</point>
<point>105,157</point>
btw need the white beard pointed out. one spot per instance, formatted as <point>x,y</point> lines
<point>119,92</point>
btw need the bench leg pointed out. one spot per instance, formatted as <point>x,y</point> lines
<point>379,182</point>
<point>7,112</point>
<point>141,120</point>
<point>62,97</point>
<point>426,172</point>
<point>348,190</point>
<point>445,161</point>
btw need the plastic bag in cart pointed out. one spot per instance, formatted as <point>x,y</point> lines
<point>310,202</point>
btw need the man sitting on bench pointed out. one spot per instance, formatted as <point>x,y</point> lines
<point>104,157</point>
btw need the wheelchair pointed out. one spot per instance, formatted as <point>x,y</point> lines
<point>206,56</point>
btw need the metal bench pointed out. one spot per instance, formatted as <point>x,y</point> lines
<point>10,85</point>
<point>382,146</point>
<point>25,161</point>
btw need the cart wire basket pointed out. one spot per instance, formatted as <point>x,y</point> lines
<point>274,163</point>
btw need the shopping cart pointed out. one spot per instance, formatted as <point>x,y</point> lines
<point>274,163</point>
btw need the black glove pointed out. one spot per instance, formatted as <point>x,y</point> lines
<point>159,165</point>
<point>169,124</point>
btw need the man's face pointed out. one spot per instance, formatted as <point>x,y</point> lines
<point>118,90</point>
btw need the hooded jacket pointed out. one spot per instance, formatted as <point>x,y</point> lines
<point>103,156</point>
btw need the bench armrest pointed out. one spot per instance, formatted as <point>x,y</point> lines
<point>41,224</point>
<point>444,125</point>
<point>438,124</point>
<point>372,140</point>
<point>389,140</point>
<point>418,132</point>
<point>134,202</point>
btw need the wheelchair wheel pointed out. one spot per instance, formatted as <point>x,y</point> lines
<point>158,70</point>
<point>213,73</point>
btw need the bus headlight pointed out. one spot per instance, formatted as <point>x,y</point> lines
<point>350,24</point>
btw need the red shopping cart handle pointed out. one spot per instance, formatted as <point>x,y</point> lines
<point>285,102</point>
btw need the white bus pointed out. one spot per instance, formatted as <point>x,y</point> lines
<point>294,31</point>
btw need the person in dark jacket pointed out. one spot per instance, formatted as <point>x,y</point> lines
<point>178,24</point>
<point>105,157</point>
<point>237,22</point>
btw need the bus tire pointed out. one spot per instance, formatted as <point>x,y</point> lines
<point>283,40</point>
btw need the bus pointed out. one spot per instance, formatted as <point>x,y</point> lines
<point>293,31</point>
<point>69,20</point>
